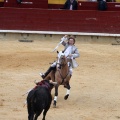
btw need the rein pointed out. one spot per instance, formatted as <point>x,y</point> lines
<point>63,78</point>
<point>62,64</point>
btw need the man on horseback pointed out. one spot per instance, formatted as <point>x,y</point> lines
<point>71,52</point>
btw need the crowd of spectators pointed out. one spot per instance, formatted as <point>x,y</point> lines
<point>73,4</point>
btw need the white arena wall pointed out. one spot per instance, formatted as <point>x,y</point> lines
<point>98,38</point>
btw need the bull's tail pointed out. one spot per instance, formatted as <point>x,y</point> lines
<point>30,110</point>
<point>30,106</point>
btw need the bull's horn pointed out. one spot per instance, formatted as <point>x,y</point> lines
<point>35,81</point>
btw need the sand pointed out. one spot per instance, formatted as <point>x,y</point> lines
<point>95,84</point>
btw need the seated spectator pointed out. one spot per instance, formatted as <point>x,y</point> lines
<point>19,1</point>
<point>102,5</point>
<point>71,5</point>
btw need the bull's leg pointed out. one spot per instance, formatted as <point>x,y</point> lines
<point>30,116</point>
<point>56,95</point>
<point>37,114</point>
<point>68,91</point>
<point>45,112</point>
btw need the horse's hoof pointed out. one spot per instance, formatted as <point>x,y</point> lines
<point>54,104</point>
<point>66,97</point>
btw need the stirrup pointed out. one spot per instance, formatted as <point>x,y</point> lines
<point>42,75</point>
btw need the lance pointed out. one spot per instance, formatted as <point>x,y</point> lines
<point>62,39</point>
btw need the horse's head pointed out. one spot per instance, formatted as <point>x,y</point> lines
<point>61,59</point>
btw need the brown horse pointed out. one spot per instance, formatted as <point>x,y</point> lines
<point>61,76</point>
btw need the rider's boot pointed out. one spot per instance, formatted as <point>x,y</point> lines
<point>43,75</point>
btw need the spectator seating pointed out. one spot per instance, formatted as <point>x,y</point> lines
<point>57,4</point>
<point>85,5</point>
<point>27,4</point>
<point>1,3</point>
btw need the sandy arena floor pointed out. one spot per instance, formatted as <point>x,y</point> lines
<point>95,85</point>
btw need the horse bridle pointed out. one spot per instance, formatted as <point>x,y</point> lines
<point>62,64</point>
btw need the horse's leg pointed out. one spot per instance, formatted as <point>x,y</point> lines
<point>68,91</point>
<point>56,95</point>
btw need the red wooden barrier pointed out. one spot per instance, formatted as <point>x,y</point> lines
<point>84,5</point>
<point>60,20</point>
<point>55,6</point>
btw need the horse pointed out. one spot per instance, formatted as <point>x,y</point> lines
<point>61,75</point>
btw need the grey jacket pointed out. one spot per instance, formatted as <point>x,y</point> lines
<point>75,54</point>
<point>74,50</point>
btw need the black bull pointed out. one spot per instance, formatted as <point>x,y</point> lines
<point>39,99</point>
